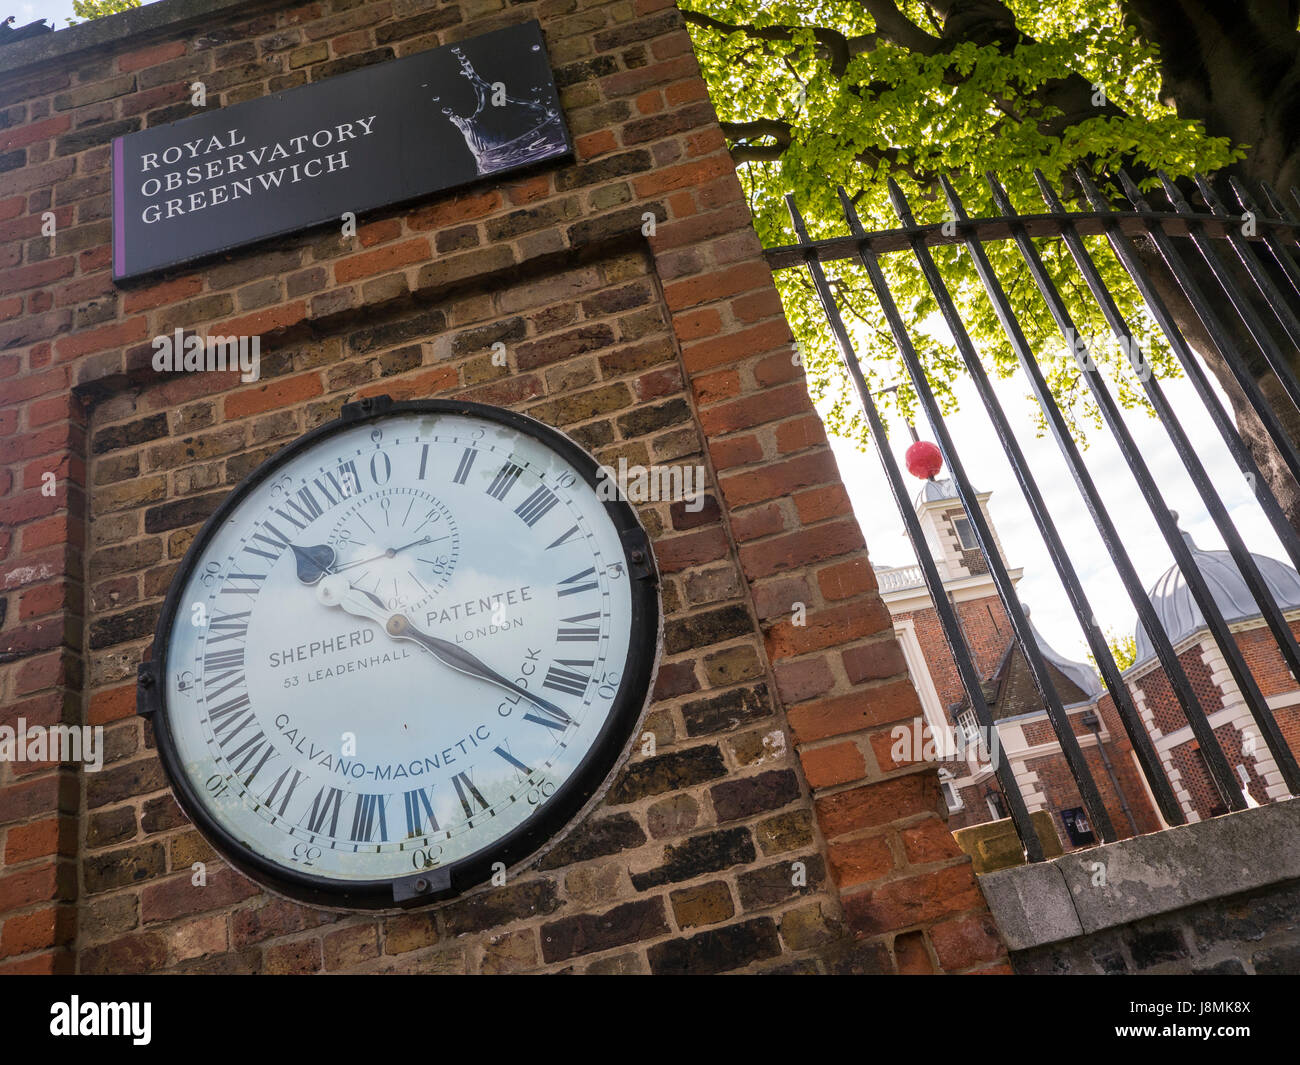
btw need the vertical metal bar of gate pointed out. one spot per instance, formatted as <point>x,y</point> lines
<point>1245,562</point>
<point>1284,261</point>
<point>1178,680</point>
<point>947,616</point>
<point>1258,331</point>
<point>1160,511</point>
<point>1132,262</point>
<point>1217,331</point>
<point>1277,303</point>
<point>1132,455</point>
<point>1129,716</point>
<point>1279,208</point>
<point>984,535</point>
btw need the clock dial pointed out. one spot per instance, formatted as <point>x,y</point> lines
<point>410,647</point>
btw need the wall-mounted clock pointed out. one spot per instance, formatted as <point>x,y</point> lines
<point>411,645</point>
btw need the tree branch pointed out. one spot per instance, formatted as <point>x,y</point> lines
<point>837,48</point>
<point>895,27</point>
<point>741,132</point>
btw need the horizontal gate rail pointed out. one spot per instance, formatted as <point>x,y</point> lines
<point>1135,223</point>
<point>1271,234</point>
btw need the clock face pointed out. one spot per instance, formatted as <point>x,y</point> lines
<point>411,646</point>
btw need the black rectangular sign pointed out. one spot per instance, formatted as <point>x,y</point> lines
<point>369,138</point>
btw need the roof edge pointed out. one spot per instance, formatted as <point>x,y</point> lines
<point>113,29</point>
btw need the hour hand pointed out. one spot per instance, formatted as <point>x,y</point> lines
<point>314,562</point>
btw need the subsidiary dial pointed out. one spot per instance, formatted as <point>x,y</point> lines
<point>399,544</point>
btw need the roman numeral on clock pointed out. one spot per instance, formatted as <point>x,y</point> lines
<point>466,464</point>
<point>578,582</point>
<point>566,680</point>
<point>504,751</point>
<point>308,510</point>
<point>572,632</point>
<point>242,583</point>
<point>253,746</point>
<point>534,508</point>
<point>504,480</point>
<point>219,666</point>
<point>277,541</point>
<point>562,537</point>
<point>465,790</point>
<point>326,804</point>
<point>369,815</point>
<point>228,627</point>
<point>418,811</point>
<point>289,789</point>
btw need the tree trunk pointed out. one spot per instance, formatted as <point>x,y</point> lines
<point>1235,67</point>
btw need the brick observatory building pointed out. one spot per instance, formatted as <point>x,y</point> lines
<point>771,739</point>
<point>1025,735</point>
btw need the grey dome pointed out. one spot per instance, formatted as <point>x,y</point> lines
<point>938,489</point>
<point>1177,610</point>
<point>1079,672</point>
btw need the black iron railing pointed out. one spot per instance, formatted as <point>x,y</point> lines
<point>1269,231</point>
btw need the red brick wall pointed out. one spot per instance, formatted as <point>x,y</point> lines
<point>1162,702</point>
<point>987,629</point>
<point>772,738</point>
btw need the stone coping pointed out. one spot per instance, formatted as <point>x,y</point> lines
<point>1145,876</point>
<point>111,29</point>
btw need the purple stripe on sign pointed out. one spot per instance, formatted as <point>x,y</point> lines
<point>119,214</point>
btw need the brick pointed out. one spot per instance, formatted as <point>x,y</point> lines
<point>859,861</point>
<point>274,394</point>
<point>148,57</point>
<point>838,763</point>
<point>717,950</point>
<point>666,772</point>
<point>913,900</point>
<point>875,661</point>
<point>775,884</point>
<point>595,839</point>
<point>589,933</point>
<point>709,853</point>
<point>868,707</point>
<point>34,131</point>
<point>381,260</point>
<point>499,906</point>
<point>880,803</point>
<point>703,905</point>
<point>965,943</point>
<point>742,798</point>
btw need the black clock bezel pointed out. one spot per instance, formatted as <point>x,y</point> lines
<point>525,840</point>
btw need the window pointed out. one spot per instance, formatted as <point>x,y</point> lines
<point>965,534</point>
<point>971,737</point>
<point>950,793</point>
<point>1077,827</point>
<point>996,806</point>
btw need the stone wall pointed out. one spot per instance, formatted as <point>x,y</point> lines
<point>1219,896</point>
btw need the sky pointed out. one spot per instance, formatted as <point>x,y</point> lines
<point>56,12</point>
<point>987,466</point>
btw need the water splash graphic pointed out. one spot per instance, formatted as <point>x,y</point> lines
<point>509,135</point>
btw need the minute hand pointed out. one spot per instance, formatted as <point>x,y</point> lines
<point>459,659</point>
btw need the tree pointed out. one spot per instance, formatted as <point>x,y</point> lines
<point>818,93</point>
<point>1123,648</point>
<point>85,10</point>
